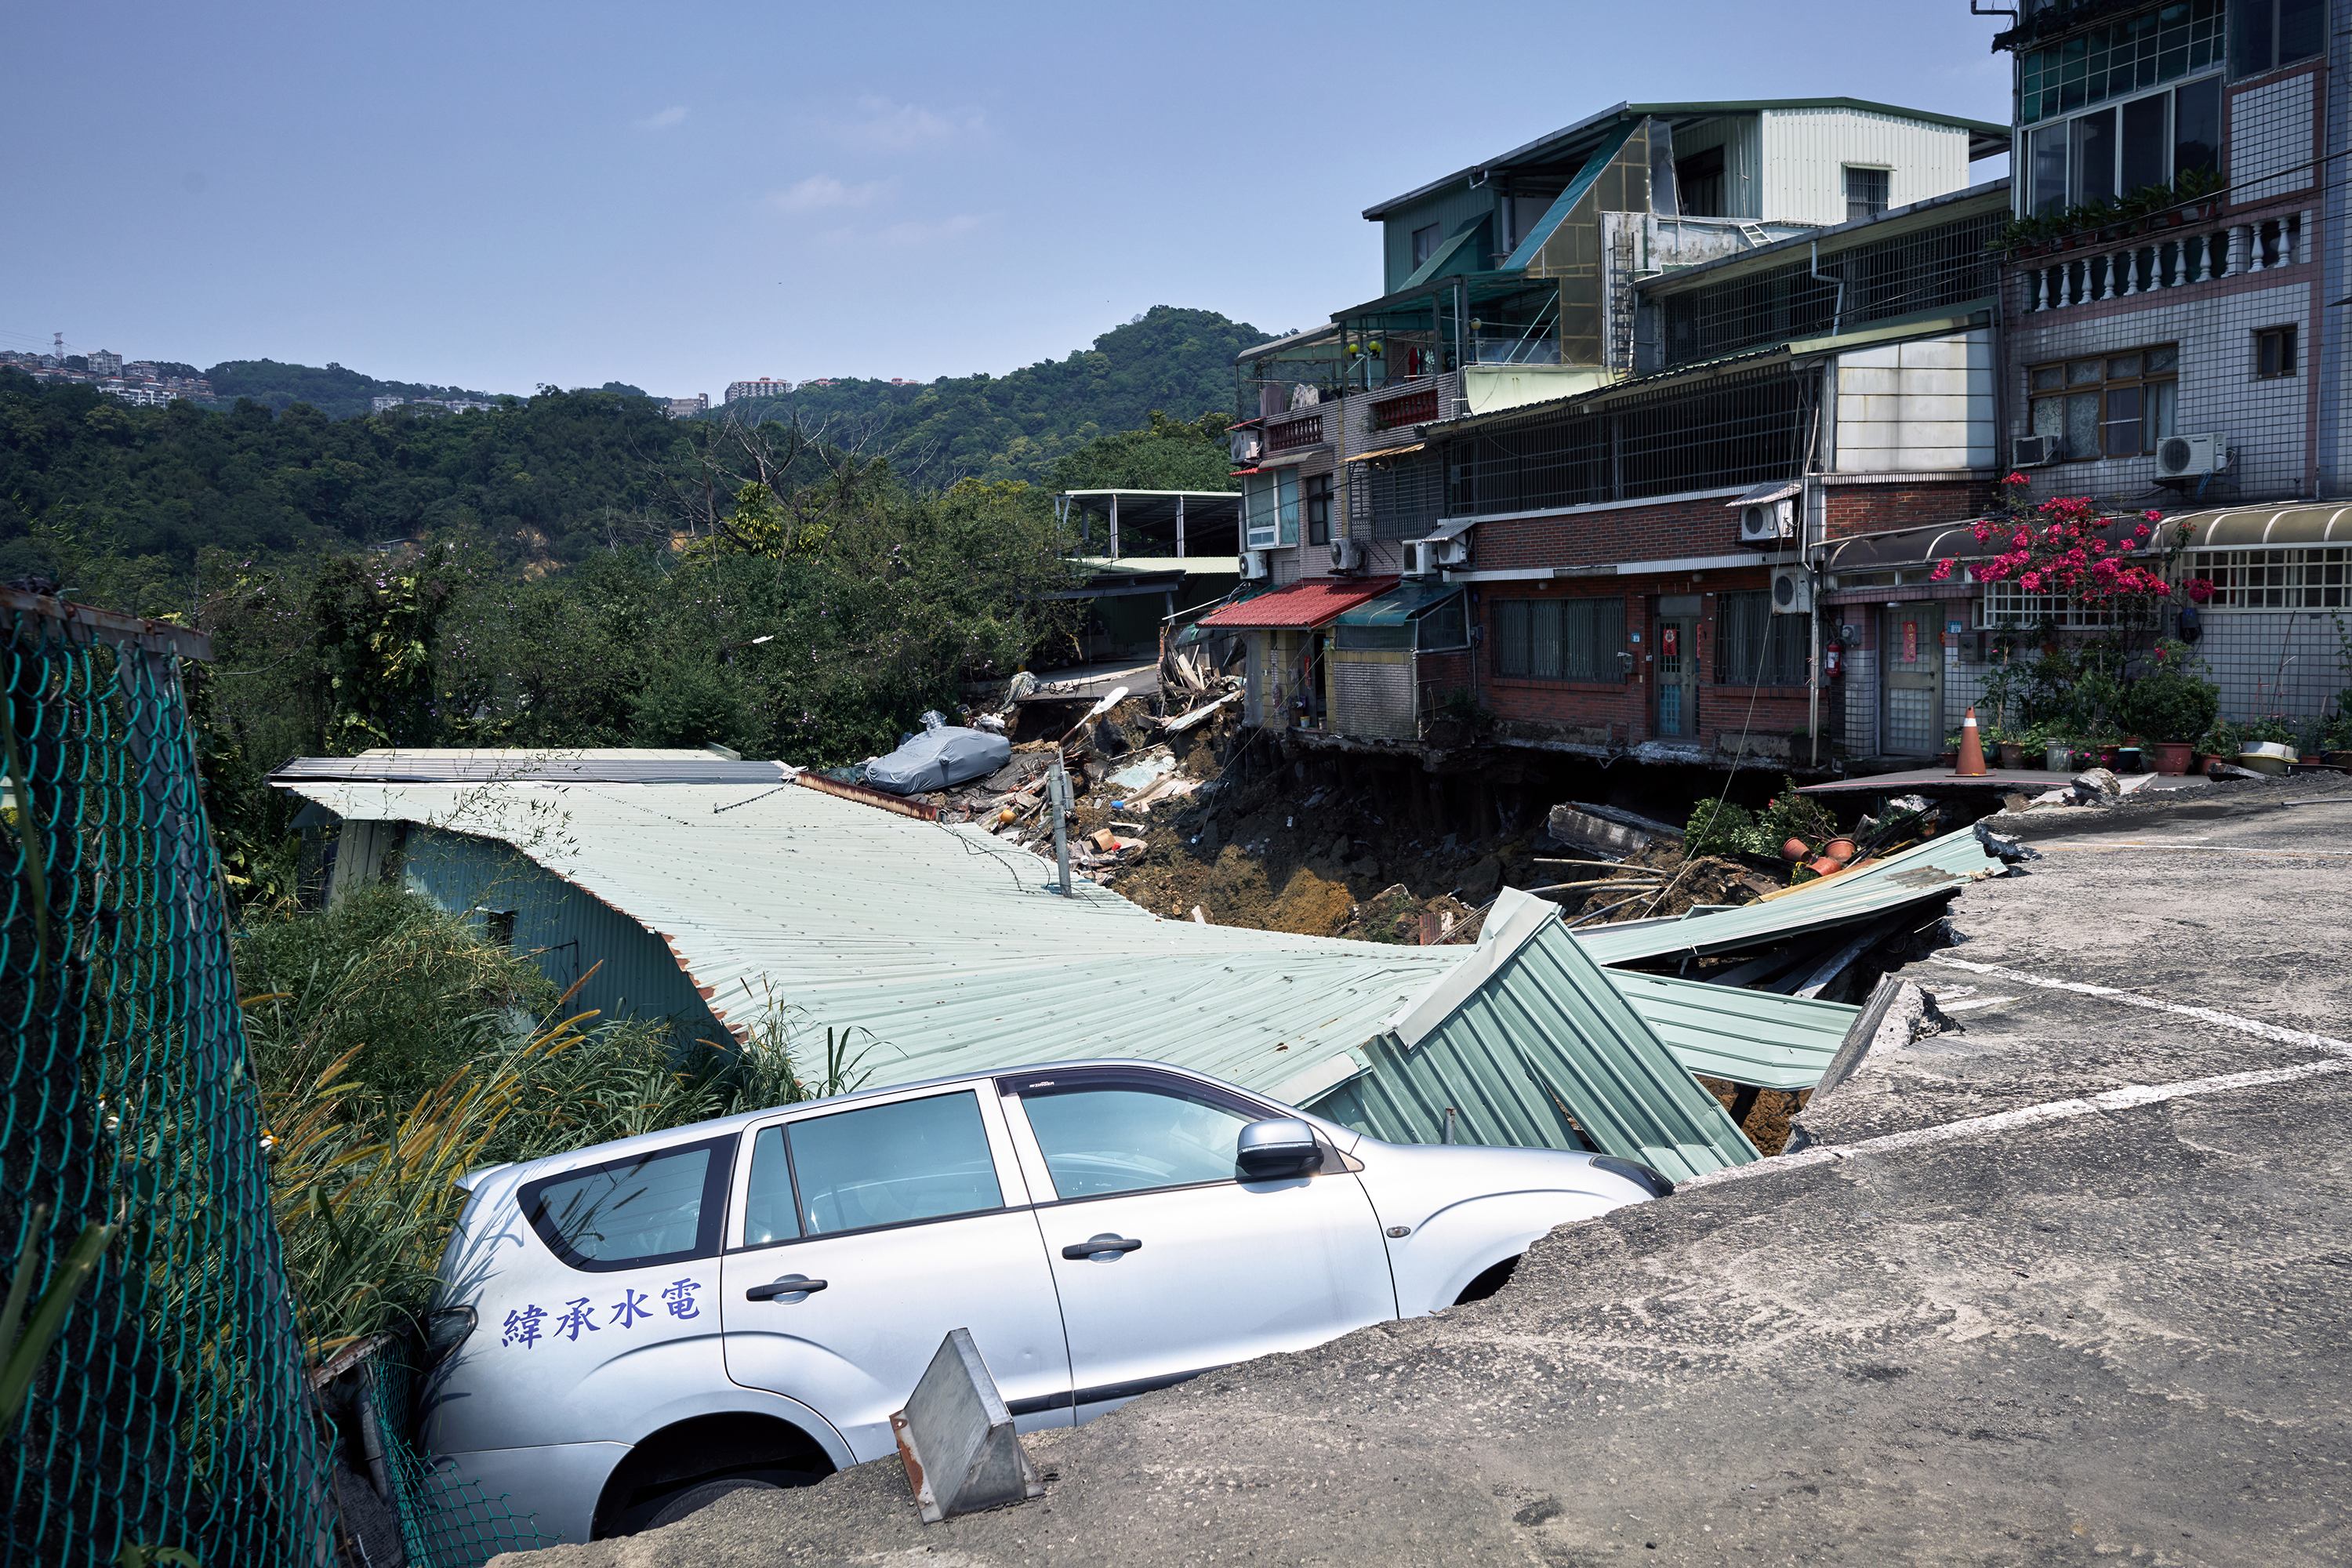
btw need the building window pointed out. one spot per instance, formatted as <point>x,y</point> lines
<point>2151,140</point>
<point>1865,192</point>
<point>2318,578</point>
<point>1319,509</point>
<point>2161,44</point>
<point>1270,508</point>
<point>2272,33</point>
<point>1699,184</point>
<point>1560,640</point>
<point>1753,647</point>
<point>2117,406</point>
<point>1425,244</point>
<point>498,927</point>
<point>2274,352</point>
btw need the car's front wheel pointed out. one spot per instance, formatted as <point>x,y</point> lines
<point>1491,1280</point>
<point>695,1499</point>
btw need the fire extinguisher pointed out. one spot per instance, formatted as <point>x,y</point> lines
<point>1833,660</point>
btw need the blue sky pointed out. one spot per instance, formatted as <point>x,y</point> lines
<point>499,195</point>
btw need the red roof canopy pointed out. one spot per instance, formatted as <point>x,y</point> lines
<point>1300,606</point>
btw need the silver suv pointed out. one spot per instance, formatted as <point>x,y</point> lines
<point>747,1301</point>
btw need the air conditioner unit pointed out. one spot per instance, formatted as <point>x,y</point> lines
<point>1420,559</point>
<point>2189,456</point>
<point>1245,446</point>
<point>1792,591</point>
<point>2033,451</point>
<point>1766,521</point>
<point>1253,564</point>
<point>1347,555</point>
<point>1454,553</point>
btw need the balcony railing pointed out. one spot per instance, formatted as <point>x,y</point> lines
<point>2148,263</point>
<point>1289,435</point>
<point>1409,408</point>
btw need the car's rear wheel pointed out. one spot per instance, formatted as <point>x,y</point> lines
<point>677,1505</point>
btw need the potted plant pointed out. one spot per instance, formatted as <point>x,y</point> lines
<point>2174,704</point>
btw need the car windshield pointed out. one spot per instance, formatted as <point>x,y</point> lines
<point>1123,1140</point>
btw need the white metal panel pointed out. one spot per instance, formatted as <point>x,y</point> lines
<point>1805,152</point>
<point>1736,134</point>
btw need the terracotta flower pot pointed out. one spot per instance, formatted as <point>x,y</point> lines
<point>2012,754</point>
<point>1838,849</point>
<point>2172,757</point>
<point>1794,849</point>
<point>1948,759</point>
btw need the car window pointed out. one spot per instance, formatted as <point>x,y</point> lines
<point>886,1164</point>
<point>769,1212</point>
<point>1123,1140</point>
<point>655,1207</point>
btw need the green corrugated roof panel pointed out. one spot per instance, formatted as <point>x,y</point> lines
<point>1756,1037</point>
<point>1542,229</point>
<point>1397,607</point>
<point>1528,1034</point>
<point>1923,871</point>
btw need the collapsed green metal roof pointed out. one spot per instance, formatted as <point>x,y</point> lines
<point>1757,1037</point>
<point>1928,870</point>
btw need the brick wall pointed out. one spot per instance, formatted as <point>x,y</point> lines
<point>1851,507</point>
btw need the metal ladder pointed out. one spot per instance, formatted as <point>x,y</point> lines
<point>1753,233</point>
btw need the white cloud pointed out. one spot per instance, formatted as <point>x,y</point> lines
<point>674,115</point>
<point>823,193</point>
<point>901,127</point>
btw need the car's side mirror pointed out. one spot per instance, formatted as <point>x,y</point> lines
<point>1277,1147</point>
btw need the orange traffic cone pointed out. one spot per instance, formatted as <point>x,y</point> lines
<point>1972,763</point>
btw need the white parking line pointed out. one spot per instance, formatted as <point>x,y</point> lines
<point>2031,1115</point>
<point>1944,1007</point>
<point>2108,992</point>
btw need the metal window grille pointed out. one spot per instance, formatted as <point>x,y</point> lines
<point>1560,640</point>
<point>170,1410</point>
<point>1753,647</point>
<point>1947,265</point>
<point>2007,604</point>
<point>1738,430</point>
<point>2313,578</point>
<point>1407,496</point>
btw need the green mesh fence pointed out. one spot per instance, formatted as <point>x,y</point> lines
<point>444,1520</point>
<point>166,1412</point>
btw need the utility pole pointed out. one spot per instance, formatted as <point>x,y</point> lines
<point>1058,790</point>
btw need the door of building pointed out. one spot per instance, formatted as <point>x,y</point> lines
<point>1911,696</point>
<point>1677,667</point>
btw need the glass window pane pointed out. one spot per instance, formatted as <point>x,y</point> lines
<point>2049,416</point>
<point>1511,636</point>
<point>2048,375</point>
<point>1116,1140</point>
<point>2082,424</point>
<point>2085,371</point>
<point>2162,396</point>
<point>2124,365</point>
<point>1288,490</point>
<point>2300,30</point>
<point>2197,126</point>
<point>2146,150</point>
<point>1543,639</point>
<point>2049,145</point>
<point>768,1213</point>
<point>2252,45</point>
<point>629,1211</point>
<point>2122,421</point>
<point>2162,359</point>
<point>2094,156</point>
<point>918,1159</point>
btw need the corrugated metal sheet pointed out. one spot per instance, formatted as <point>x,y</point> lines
<point>1545,1039</point>
<point>1298,606</point>
<point>1923,871</point>
<point>1806,149</point>
<point>951,951</point>
<point>1747,1037</point>
<point>597,766</point>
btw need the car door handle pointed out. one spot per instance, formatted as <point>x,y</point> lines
<point>793,1285</point>
<point>1106,1242</point>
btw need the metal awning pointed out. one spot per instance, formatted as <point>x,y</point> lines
<point>1452,528</point>
<point>1386,452</point>
<point>1769,490</point>
<point>1295,455</point>
<point>2243,527</point>
<point>1298,607</point>
<point>1400,606</point>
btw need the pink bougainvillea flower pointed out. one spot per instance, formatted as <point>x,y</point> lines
<point>2017,480</point>
<point>2153,516</point>
<point>1943,569</point>
<point>2200,589</point>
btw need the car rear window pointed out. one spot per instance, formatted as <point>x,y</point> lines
<point>660,1207</point>
<point>886,1164</point>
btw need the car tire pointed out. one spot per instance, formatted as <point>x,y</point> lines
<point>1490,1281</point>
<point>696,1497</point>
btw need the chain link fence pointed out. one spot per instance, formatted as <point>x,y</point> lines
<point>151,1396</point>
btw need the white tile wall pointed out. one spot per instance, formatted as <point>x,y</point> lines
<point>1905,407</point>
<point>2270,133</point>
<point>2264,420</point>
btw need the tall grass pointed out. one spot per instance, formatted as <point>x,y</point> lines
<point>395,1050</point>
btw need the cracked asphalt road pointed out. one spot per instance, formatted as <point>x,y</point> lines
<point>2121,1335</point>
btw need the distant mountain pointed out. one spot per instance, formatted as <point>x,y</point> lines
<point>1018,426</point>
<point>333,391</point>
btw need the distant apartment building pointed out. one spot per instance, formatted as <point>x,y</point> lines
<point>388,400</point>
<point>105,362</point>
<point>688,407</point>
<point>737,391</point>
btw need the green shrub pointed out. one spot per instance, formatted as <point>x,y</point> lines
<point>1718,827</point>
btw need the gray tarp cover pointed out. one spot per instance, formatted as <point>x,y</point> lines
<point>934,761</point>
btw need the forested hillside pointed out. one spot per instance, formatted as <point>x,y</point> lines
<point>1018,426</point>
<point>337,393</point>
